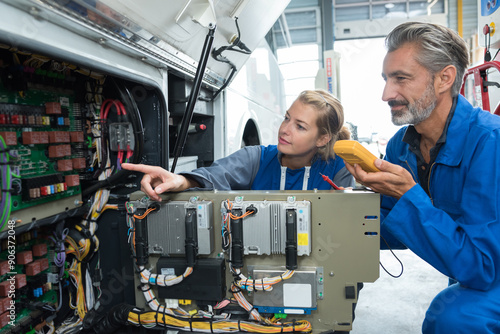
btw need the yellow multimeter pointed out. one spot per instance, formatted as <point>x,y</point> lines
<point>354,153</point>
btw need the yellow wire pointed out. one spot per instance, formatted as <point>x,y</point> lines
<point>153,318</point>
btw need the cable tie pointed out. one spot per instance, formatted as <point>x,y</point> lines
<point>262,284</point>
<point>149,288</point>
<point>239,328</point>
<point>254,285</point>
<point>191,322</point>
<point>156,316</point>
<point>139,318</point>
<point>164,316</point>
<point>211,323</point>
<point>281,275</point>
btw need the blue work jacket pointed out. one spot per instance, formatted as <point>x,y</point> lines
<point>259,168</point>
<point>457,228</point>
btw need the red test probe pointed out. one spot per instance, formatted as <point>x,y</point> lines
<point>327,179</point>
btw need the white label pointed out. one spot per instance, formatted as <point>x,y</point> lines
<point>297,295</point>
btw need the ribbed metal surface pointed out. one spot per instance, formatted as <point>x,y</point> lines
<point>276,231</point>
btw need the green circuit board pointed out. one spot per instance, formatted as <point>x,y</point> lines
<point>36,176</point>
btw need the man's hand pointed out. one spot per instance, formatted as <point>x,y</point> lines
<point>157,180</point>
<point>392,180</point>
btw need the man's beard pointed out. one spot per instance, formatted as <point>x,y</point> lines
<point>415,112</point>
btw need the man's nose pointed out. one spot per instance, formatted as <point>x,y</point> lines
<point>389,92</point>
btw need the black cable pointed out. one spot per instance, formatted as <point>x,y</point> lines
<point>217,55</point>
<point>135,118</point>
<point>402,267</point>
<point>228,80</point>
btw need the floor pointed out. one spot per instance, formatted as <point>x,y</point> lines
<point>398,305</point>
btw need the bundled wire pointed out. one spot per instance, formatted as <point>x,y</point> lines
<point>59,250</point>
<point>213,324</point>
<point>71,325</point>
<point>75,273</point>
<point>163,280</point>
<point>261,284</point>
<point>241,282</point>
<point>153,303</point>
<point>146,275</point>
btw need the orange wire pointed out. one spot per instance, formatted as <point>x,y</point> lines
<point>144,214</point>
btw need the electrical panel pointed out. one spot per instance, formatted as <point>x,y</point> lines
<point>42,129</point>
<point>65,131</point>
<point>282,254</point>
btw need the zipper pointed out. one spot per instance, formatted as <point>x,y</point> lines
<point>411,170</point>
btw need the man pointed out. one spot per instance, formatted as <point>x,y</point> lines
<point>440,180</point>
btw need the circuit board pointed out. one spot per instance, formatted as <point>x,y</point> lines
<point>42,130</point>
<point>24,282</point>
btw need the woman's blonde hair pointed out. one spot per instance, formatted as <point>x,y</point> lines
<point>330,119</point>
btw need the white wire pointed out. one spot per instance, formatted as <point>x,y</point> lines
<point>89,291</point>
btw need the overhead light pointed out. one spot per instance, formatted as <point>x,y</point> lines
<point>389,5</point>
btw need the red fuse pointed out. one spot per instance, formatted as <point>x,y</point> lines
<point>3,119</point>
<point>14,119</point>
<point>24,257</point>
<point>39,249</point>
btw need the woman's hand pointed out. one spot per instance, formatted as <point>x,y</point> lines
<point>392,180</point>
<point>157,180</point>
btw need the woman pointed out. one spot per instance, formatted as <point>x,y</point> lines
<point>304,153</point>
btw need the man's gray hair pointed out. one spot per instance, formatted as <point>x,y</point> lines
<point>438,47</point>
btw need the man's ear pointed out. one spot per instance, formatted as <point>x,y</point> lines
<point>323,140</point>
<point>446,78</point>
